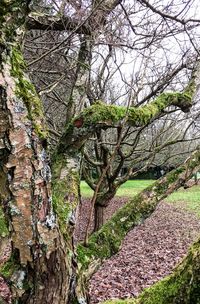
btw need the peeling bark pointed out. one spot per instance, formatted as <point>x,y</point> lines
<point>41,264</point>
<point>38,267</point>
<point>37,244</point>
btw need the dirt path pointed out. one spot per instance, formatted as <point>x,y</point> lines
<point>149,252</point>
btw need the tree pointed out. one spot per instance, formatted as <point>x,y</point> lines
<point>29,227</point>
<point>141,147</point>
<point>37,223</point>
<point>83,65</point>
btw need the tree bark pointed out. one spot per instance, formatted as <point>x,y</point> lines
<point>98,216</point>
<point>41,265</point>
<point>102,201</point>
<point>38,267</point>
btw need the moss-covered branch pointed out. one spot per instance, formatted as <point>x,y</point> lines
<point>101,115</point>
<point>108,239</point>
<point>181,287</point>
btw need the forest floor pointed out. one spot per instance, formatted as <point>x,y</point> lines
<point>149,252</point>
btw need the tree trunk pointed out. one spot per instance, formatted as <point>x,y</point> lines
<point>98,216</point>
<point>37,262</point>
<point>38,249</point>
<point>36,234</point>
<point>102,201</point>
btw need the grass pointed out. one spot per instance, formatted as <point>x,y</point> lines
<point>86,191</point>
<point>188,198</point>
<point>132,187</point>
<point>128,189</point>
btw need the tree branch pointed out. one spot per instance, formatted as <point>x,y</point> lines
<point>36,21</point>
<point>104,116</point>
<point>107,240</point>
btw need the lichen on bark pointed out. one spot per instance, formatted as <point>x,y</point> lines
<point>26,91</point>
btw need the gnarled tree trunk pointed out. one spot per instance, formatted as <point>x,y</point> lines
<point>37,260</point>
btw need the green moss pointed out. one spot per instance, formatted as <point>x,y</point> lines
<point>103,115</point>
<point>109,114</point>
<point>9,268</point>
<point>65,192</point>
<point>3,225</point>
<point>17,62</point>
<point>145,114</point>
<point>161,187</point>
<point>62,207</point>
<point>100,112</point>
<point>26,91</point>
<point>173,175</point>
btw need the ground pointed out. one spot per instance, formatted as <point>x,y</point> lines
<point>151,250</point>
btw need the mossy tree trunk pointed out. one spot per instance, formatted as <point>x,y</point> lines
<point>37,258</point>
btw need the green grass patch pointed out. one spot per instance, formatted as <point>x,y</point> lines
<point>133,187</point>
<point>86,191</point>
<point>189,198</point>
<point>128,189</point>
